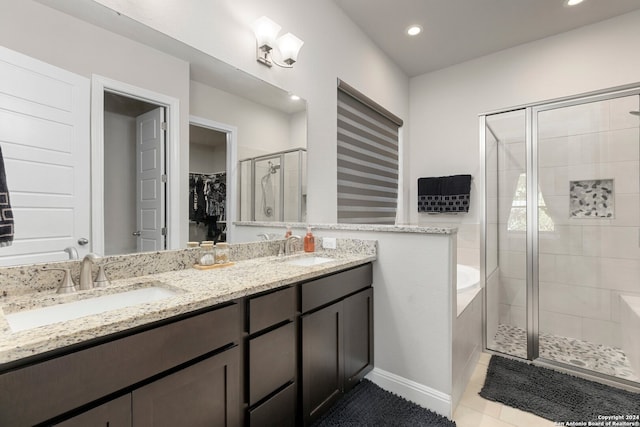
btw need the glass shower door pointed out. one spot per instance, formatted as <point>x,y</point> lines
<point>588,226</point>
<point>506,232</point>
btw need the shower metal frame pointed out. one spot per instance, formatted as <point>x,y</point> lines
<point>532,243</point>
<point>280,155</point>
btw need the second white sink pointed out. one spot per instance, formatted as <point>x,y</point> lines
<point>29,319</point>
<point>309,261</point>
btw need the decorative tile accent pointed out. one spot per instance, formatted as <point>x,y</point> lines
<point>596,357</point>
<point>591,198</point>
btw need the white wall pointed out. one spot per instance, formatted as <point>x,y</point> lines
<point>334,48</point>
<point>298,130</point>
<point>207,159</point>
<point>261,129</point>
<point>444,105</point>
<point>61,40</point>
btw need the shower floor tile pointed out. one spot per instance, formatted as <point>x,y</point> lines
<point>596,357</point>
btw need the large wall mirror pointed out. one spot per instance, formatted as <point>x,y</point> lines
<point>226,117</point>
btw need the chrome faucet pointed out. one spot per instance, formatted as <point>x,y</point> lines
<point>86,274</point>
<point>289,242</point>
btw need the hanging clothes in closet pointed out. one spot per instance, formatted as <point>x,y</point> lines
<point>207,203</point>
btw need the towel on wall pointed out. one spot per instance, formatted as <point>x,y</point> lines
<point>456,193</point>
<point>429,195</point>
<point>6,214</point>
<point>444,194</point>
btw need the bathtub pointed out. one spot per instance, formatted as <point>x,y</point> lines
<point>630,324</point>
<point>468,277</point>
<point>468,286</point>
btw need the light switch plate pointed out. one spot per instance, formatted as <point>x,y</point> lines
<point>329,242</point>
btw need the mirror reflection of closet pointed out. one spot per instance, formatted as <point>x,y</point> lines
<point>207,184</point>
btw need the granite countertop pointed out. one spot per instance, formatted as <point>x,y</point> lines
<point>418,229</point>
<point>195,289</point>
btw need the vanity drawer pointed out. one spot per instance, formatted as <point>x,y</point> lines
<point>271,309</point>
<point>278,411</point>
<point>272,361</point>
<point>334,287</point>
<point>39,392</point>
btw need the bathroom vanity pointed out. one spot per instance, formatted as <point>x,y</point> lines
<point>277,350</point>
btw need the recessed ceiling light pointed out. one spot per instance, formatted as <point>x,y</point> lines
<point>414,30</point>
<point>295,98</point>
<point>573,2</point>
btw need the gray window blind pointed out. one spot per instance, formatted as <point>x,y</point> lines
<point>367,160</point>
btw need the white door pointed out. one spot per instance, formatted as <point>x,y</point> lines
<point>150,186</point>
<point>44,134</point>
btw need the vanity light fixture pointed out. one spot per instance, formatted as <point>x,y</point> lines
<point>573,2</point>
<point>288,45</point>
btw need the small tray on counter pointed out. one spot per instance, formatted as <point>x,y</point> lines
<point>212,266</point>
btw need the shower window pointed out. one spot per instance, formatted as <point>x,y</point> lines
<point>518,214</point>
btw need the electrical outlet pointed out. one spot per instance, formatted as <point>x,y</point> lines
<point>328,242</point>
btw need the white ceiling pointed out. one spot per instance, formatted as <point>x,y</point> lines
<point>459,30</point>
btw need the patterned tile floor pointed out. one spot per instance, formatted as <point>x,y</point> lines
<point>596,357</point>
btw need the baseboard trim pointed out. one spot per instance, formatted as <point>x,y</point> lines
<point>417,393</point>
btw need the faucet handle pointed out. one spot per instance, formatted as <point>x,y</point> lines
<point>66,284</point>
<point>101,279</point>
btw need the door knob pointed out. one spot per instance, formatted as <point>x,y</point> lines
<point>82,241</point>
<point>136,233</point>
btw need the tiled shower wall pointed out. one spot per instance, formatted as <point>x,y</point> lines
<point>584,263</point>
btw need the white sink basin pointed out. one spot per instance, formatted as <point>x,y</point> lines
<point>309,261</point>
<point>29,319</point>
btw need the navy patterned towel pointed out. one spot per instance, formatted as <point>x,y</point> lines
<point>444,194</point>
<point>429,195</point>
<point>6,214</point>
<point>456,193</point>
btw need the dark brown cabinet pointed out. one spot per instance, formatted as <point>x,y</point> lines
<point>204,394</point>
<point>276,359</point>
<point>115,413</point>
<point>358,337</point>
<point>337,339</point>
<point>322,360</point>
<point>46,391</point>
<point>272,359</point>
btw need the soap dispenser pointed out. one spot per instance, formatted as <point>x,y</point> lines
<point>309,241</point>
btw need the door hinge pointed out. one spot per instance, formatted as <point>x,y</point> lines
<point>164,177</point>
<point>164,231</point>
<point>163,125</point>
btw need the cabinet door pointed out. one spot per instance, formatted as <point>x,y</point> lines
<point>205,394</point>
<point>358,337</point>
<point>277,411</point>
<point>115,413</point>
<point>322,361</point>
<point>272,362</point>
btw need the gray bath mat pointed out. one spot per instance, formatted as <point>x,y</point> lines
<point>367,405</point>
<point>556,396</point>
